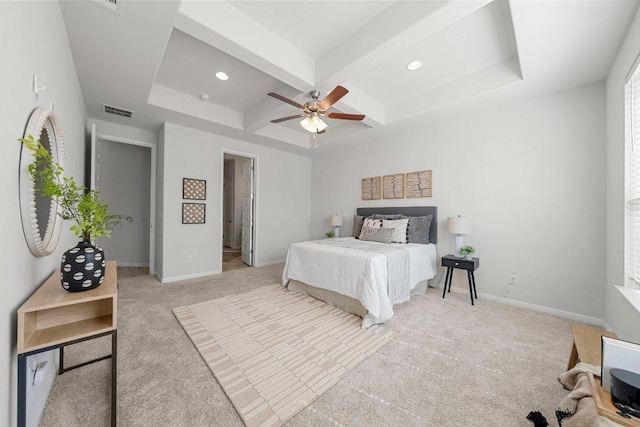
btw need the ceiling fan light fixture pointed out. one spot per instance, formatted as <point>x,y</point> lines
<point>221,75</point>
<point>414,65</point>
<point>313,124</point>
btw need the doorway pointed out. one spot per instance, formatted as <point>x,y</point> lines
<point>238,211</point>
<point>123,171</point>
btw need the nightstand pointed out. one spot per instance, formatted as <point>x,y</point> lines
<point>451,262</point>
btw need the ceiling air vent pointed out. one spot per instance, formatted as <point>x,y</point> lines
<point>111,5</point>
<point>117,111</point>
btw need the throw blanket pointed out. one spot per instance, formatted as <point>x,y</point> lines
<point>580,397</point>
<point>359,270</point>
<point>398,286</point>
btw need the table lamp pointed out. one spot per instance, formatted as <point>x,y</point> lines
<point>336,221</point>
<point>459,226</point>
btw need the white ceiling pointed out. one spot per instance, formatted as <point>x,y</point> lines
<point>155,58</point>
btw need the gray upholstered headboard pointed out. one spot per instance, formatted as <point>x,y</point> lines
<point>408,211</point>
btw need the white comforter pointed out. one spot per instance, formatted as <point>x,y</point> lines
<point>358,274</point>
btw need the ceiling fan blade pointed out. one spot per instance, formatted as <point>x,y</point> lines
<point>284,119</point>
<point>287,100</point>
<point>345,116</point>
<point>322,131</point>
<point>332,98</point>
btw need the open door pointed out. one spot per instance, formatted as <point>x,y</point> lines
<point>247,213</point>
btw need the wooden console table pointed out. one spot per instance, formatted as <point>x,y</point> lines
<point>587,344</point>
<point>54,318</point>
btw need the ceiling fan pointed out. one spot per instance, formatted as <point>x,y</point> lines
<point>314,110</point>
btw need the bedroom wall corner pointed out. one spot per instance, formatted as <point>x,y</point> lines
<point>41,48</point>
<point>620,314</point>
<point>530,176</point>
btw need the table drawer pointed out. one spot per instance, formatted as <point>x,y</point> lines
<point>460,263</point>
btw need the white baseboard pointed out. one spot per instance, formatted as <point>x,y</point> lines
<point>187,276</point>
<point>264,264</point>
<point>132,264</point>
<point>539,308</point>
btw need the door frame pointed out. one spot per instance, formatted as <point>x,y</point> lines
<point>254,236</point>
<point>152,201</point>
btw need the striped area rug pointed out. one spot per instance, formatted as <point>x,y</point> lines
<point>275,351</point>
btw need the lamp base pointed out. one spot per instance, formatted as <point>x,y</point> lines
<point>336,231</point>
<point>459,243</point>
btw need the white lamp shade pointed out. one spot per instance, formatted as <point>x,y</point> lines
<point>335,220</point>
<point>459,225</point>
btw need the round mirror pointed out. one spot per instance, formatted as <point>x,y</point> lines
<point>41,220</point>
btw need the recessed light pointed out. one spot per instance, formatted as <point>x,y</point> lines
<point>414,65</point>
<point>222,75</point>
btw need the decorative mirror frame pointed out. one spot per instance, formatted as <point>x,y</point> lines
<point>40,246</point>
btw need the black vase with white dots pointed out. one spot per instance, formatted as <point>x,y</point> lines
<point>82,268</point>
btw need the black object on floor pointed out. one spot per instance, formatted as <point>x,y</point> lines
<point>538,419</point>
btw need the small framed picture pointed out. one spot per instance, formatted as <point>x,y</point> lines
<point>194,189</point>
<point>393,186</point>
<point>194,213</point>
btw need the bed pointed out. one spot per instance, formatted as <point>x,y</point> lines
<point>362,277</point>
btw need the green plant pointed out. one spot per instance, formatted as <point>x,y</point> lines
<point>467,250</point>
<point>76,202</point>
<point>329,234</point>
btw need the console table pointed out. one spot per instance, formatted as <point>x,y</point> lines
<point>54,318</point>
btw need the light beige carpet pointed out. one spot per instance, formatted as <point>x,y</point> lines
<point>274,351</point>
<point>450,364</point>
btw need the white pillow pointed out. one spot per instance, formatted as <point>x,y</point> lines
<point>372,223</point>
<point>399,227</point>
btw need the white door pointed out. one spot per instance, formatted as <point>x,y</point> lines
<point>227,209</point>
<point>247,213</point>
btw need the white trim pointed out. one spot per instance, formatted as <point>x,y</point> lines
<point>256,166</point>
<point>632,70</point>
<point>632,295</point>
<point>152,204</point>
<point>132,264</point>
<point>264,264</point>
<point>539,308</point>
<point>187,276</point>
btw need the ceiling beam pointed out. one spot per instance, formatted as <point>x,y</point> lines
<point>401,26</point>
<point>221,25</point>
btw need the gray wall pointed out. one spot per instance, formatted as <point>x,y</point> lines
<point>531,177</point>
<point>283,201</point>
<point>124,179</point>
<point>621,316</point>
<point>34,39</point>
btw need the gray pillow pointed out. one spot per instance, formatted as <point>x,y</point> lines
<point>357,225</point>
<point>418,229</point>
<point>380,235</point>
<point>382,216</point>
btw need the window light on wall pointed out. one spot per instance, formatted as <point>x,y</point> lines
<point>632,178</point>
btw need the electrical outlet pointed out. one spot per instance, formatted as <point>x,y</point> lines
<point>189,258</point>
<point>513,279</point>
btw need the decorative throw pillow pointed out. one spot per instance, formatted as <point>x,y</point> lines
<point>357,225</point>
<point>399,227</point>
<point>373,223</point>
<point>418,229</point>
<point>380,235</point>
